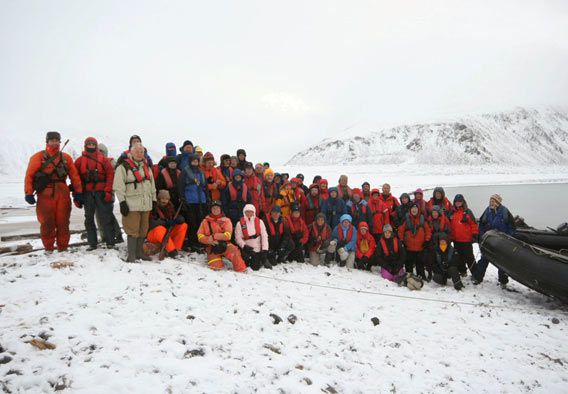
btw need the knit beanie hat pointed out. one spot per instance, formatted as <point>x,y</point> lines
<point>497,198</point>
<point>52,135</point>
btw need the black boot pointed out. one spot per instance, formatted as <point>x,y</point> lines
<point>328,258</point>
<point>139,250</point>
<point>131,243</point>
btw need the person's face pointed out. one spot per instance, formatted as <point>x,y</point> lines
<point>458,203</point>
<point>242,157</point>
<point>356,198</point>
<point>188,149</point>
<point>366,188</point>
<point>345,223</point>
<point>172,165</point>
<point>386,189</point>
<point>320,221</point>
<point>364,230</point>
<point>138,153</point>
<point>323,186</point>
<point>209,163</point>
<point>269,177</point>
<point>388,234</point>
<point>414,210</point>
<point>418,196</point>
<point>314,191</point>
<point>248,171</point>
<point>435,215</point>
<point>233,162</point>
<point>259,168</point>
<point>333,194</point>
<point>54,142</point>
<point>375,195</point>
<point>343,182</point>
<point>195,163</point>
<point>492,203</point>
<point>163,201</point>
<point>216,210</point>
<point>288,187</point>
<point>404,200</point>
<point>238,178</point>
<point>227,162</point>
<point>278,179</point>
<point>266,166</point>
<point>91,145</point>
<point>135,141</point>
<point>275,215</point>
<point>285,177</point>
<point>296,214</point>
<point>249,214</point>
<point>199,154</point>
<point>438,195</point>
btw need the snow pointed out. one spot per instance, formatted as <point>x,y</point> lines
<point>132,328</point>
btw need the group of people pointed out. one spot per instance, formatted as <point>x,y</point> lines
<point>253,216</point>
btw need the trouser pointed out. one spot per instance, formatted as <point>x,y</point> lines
<point>255,260</point>
<point>194,215</point>
<point>117,232</point>
<point>280,255</point>
<point>345,259</point>
<point>415,259</point>
<point>94,203</point>
<point>233,254</point>
<point>297,254</point>
<point>467,259</point>
<point>318,257</point>
<point>175,241</point>
<point>53,211</point>
<point>136,223</point>
<point>365,263</point>
<point>480,268</point>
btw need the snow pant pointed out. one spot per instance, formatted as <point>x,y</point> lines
<point>175,241</point>
<point>393,277</point>
<point>117,232</point>
<point>480,268</point>
<point>323,256</point>
<point>280,255</point>
<point>94,203</point>
<point>53,211</point>
<point>194,215</point>
<point>429,259</point>
<point>465,252</point>
<point>297,254</point>
<point>415,259</point>
<point>345,258</point>
<point>255,260</point>
<point>451,270</point>
<point>136,223</point>
<point>233,254</point>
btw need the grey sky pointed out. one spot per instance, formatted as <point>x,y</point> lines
<point>254,73</point>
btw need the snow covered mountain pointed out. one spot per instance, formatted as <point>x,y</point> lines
<point>520,137</point>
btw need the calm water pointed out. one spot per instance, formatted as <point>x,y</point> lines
<point>541,205</point>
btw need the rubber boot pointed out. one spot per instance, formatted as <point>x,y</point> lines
<point>139,250</point>
<point>131,243</point>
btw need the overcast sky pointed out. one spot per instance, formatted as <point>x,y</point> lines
<point>271,76</point>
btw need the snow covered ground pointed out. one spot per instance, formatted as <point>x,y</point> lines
<point>179,327</point>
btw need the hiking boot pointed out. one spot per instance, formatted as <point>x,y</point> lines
<point>266,264</point>
<point>458,285</point>
<point>173,254</point>
<point>475,281</point>
<point>139,250</point>
<point>91,248</point>
<point>503,285</point>
<point>131,243</point>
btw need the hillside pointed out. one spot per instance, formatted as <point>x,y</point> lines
<point>524,137</point>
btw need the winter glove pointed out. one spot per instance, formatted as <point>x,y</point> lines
<point>341,244</point>
<point>179,220</point>
<point>343,254</point>
<point>108,197</point>
<point>248,249</point>
<point>170,222</point>
<point>124,210</point>
<point>78,200</point>
<point>30,199</point>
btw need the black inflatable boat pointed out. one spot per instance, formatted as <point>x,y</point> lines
<point>548,239</point>
<point>542,270</point>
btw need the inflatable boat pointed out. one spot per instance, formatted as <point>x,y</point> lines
<point>543,270</point>
<point>549,239</point>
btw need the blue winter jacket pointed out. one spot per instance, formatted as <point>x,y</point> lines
<point>193,185</point>
<point>333,208</point>
<point>499,219</point>
<point>351,246</point>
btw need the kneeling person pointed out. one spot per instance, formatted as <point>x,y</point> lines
<point>366,246</point>
<point>446,263</point>
<point>280,244</point>
<point>320,244</point>
<point>163,218</point>
<point>299,232</point>
<point>252,238</point>
<point>215,232</point>
<point>391,255</point>
<point>346,236</point>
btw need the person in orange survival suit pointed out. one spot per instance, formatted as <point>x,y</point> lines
<point>47,176</point>
<point>162,218</point>
<point>215,232</point>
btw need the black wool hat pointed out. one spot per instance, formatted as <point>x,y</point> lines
<point>185,143</point>
<point>133,137</point>
<point>52,135</point>
<point>241,151</point>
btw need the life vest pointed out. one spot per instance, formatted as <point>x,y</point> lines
<point>340,234</point>
<point>131,165</point>
<point>246,235</point>
<point>235,196</point>
<point>385,247</point>
<point>324,234</point>
<point>92,175</point>
<point>410,224</point>
<point>437,225</point>
<point>272,228</point>
<point>292,225</point>
<point>363,209</point>
<point>269,190</point>
<point>312,204</point>
<point>168,214</point>
<point>168,177</point>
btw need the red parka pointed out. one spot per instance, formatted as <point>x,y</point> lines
<point>414,232</point>
<point>366,244</point>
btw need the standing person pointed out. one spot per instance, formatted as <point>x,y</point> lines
<point>333,208</point>
<point>464,232</point>
<point>280,243</point>
<point>415,233</point>
<point>170,152</point>
<point>266,165</point>
<point>234,163</point>
<point>135,191</point>
<point>420,202</point>
<point>270,192</point>
<point>215,181</point>
<point>358,209</point>
<point>259,171</point>
<point>301,184</point>
<point>254,186</point>
<point>320,245</point>
<point>225,168</point>
<point>199,152</point>
<point>186,150</point>
<point>445,263</point>
<point>324,193</point>
<point>366,188</point>
<point>134,139</point>
<point>365,248</point>
<point>317,179</point>
<point>252,238</point>
<point>299,233</point>
<point>390,201</point>
<point>168,180</point>
<point>162,218</point>
<point>241,159</point>
<point>97,176</point>
<point>117,230</point>
<point>402,209</point>
<point>193,191</point>
<point>439,198</point>
<point>235,197</point>
<point>495,217</point>
<point>298,191</point>
<point>380,214</point>
<point>215,232</point>
<point>47,177</point>
<point>344,192</point>
<point>346,237</point>
<point>278,180</point>
<point>285,177</point>
<point>311,205</point>
<point>391,255</point>
<point>286,199</point>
